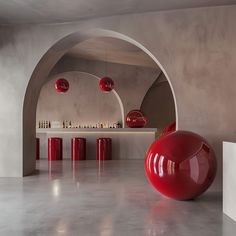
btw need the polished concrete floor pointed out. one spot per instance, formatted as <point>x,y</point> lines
<point>106,199</point>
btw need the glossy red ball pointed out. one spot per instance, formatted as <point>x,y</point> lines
<point>62,85</point>
<point>106,84</point>
<point>169,128</point>
<point>180,165</point>
<point>136,119</point>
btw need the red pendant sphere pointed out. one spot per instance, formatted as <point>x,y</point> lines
<point>136,119</point>
<point>180,165</point>
<point>61,85</point>
<point>169,128</point>
<point>106,84</point>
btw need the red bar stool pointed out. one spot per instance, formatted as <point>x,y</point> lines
<point>78,149</point>
<point>37,140</point>
<point>54,149</point>
<point>104,149</point>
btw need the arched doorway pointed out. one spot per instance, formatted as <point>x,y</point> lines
<point>40,74</point>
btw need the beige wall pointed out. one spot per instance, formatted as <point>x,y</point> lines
<point>192,46</point>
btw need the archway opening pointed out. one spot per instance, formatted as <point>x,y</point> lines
<point>56,57</point>
<point>158,104</point>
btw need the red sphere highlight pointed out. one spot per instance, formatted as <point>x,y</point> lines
<point>180,165</point>
<point>136,119</point>
<point>62,85</point>
<point>106,84</point>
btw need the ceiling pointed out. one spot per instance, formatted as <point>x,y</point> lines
<point>111,50</point>
<point>57,11</point>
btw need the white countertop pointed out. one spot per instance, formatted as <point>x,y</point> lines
<point>97,130</point>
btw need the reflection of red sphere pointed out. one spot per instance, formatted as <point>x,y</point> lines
<point>106,84</point>
<point>180,165</point>
<point>136,119</point>
<point>169,128</point>
<point>61,85</point>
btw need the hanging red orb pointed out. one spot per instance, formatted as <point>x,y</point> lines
<point>106,84</point>
<point>136,119</point>
<point>180,165</point>
<point>169,128</point>
<point>61,85</point>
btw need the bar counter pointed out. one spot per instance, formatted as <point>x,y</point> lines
<point>127,143</point>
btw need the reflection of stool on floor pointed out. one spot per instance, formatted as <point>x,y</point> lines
<point>78,149</point>
<point>104,149</point>
<point>37,140</point>
<point>54,149</point>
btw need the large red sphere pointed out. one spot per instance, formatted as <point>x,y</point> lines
<point>106,84</point>
<point>180,165</point>
<point>61,85</point>
<point>136,119</point>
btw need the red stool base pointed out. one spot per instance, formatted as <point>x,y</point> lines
<point>104,149</point>
<point>54,149</point>
<point>78,149</point>
<point>37,140</point>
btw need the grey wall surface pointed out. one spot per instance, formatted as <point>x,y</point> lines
<point>158,104</point>
<point>131,82</point>
<point>191,46</point>
<point>84,103</point>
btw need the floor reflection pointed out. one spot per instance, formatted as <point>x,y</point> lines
<point>108,198</point>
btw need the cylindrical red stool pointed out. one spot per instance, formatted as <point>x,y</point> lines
<point>37,140</point>
<point>54,149</point>
<point>78,149</point>
<point>104,149</point>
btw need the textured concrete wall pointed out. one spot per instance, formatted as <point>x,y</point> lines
<point>131,82</point>
<point>195,47</point>
<point>84,103</point>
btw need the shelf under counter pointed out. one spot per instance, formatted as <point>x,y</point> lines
<point>127,143</point>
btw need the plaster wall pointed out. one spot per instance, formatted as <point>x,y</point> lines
<point>84,103</point>
<point>195,47</point>
<point>131,82</point>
